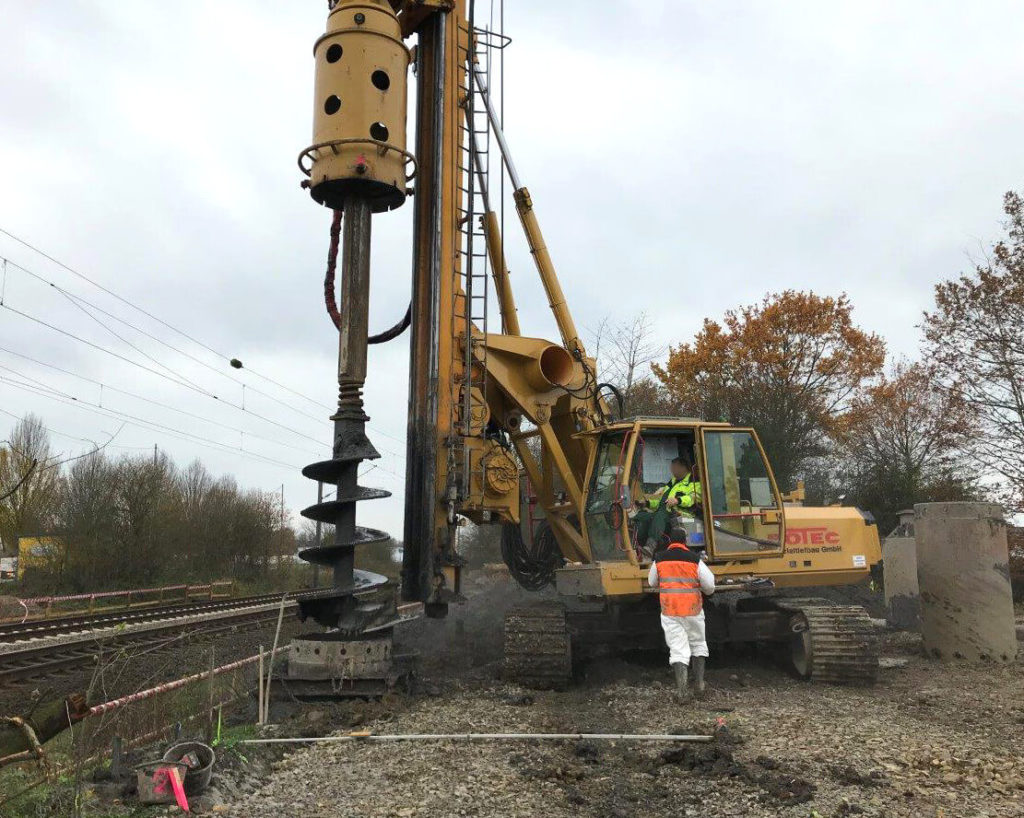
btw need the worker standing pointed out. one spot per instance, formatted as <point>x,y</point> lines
<point>680,497</point>
<point>682,580</point>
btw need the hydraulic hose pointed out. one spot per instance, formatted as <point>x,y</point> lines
<point>331,302</point>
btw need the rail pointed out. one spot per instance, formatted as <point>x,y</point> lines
<point>29,661</point>
<point>162,594</point>
<point>35,628</point>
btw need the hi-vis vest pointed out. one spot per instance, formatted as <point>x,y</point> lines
<point>678,586</point>
<point>686,490</point>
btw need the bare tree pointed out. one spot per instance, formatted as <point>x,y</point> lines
<point>28,486</point>
<point>632,346</point>
<point>134,521</point>
<point>975,337</point>
<point>624,351</point>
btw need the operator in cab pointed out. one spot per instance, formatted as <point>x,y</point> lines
<point>678,497</point>
<point>683,580</point>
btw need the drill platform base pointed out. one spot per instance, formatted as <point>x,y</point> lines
<point>331,667</point>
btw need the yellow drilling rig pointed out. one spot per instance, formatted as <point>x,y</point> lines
<point>490,407</point>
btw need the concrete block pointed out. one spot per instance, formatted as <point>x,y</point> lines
<point>964,581</point>
<point>902,597</point>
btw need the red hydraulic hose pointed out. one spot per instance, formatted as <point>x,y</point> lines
<point>332,264</point>
<point>332,304</point>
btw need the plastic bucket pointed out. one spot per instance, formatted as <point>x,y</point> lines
<point>153,783</point>
<point>198,778</point>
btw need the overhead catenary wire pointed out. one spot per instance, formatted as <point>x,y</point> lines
<point>150,425</point>
<point>78,301</point>
<point>74,302</point>
<point>159,320</point>
<point>210,395</point>
<point>232,361</point>
<point>51,431</point>
<point>95,448</point>
<point>69,397</point>
<point>160,404</point>
<point>181,380</point>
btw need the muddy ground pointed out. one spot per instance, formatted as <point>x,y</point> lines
<point>929,739</point>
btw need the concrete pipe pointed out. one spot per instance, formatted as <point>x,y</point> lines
<point>899,558</point>
<point>964,578</point>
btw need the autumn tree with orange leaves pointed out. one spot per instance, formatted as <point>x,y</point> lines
<point>903,440</point>
<point>787,366</point>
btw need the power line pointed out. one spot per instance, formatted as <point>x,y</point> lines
<point>161,404</point>
<point>149,425</point>
<point>40,321</point>
<point>51,431</point>
<point>157,373</point>
<point>148,314</point>
<point>173,328</point>
<point>78,301</point>
<point>124,340</point>
<point>96,447</point>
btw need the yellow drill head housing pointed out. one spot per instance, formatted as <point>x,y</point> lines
<point>359,109</point>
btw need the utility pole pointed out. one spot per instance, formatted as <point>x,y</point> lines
<point>154,454</point>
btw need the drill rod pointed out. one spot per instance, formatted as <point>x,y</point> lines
<point>350,420</point>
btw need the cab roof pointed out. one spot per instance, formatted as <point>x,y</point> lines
<point>666,423</point>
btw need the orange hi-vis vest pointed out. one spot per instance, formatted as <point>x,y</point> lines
<point>678,585</point>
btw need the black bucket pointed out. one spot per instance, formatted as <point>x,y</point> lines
<point>197,778</point>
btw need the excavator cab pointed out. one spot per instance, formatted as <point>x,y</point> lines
<point>739,515</point>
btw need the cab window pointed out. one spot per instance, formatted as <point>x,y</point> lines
<point>655,453</point>
<point>607,489</point>
<point>739,489</point>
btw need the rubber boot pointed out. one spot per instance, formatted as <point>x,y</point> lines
<point>698,677</point>
<point>682,691</point>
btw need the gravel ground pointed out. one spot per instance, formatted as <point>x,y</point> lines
<point>928,740</point>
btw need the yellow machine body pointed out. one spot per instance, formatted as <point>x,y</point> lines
<point>541,395</point>
<point>793,545</point>
<point>359,111</point>
<point>487,408</point>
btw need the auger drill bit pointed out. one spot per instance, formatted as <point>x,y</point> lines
<point>339,608</point>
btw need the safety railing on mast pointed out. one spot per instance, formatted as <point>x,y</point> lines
<point>472,274</point>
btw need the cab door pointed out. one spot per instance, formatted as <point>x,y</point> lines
<point>743,508</point>
<point>608,501</point>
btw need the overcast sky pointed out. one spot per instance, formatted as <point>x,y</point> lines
<point>684,158</point>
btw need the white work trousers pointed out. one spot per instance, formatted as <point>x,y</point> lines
<point>684,636</point>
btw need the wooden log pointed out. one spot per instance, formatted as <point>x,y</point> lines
<point>21,737</point>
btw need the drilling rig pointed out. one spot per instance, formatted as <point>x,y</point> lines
<point>491,409</point>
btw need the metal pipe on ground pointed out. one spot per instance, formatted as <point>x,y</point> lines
<point>484,737</point>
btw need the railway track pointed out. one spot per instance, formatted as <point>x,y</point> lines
<point>40,628</point>
<point>50,654</point>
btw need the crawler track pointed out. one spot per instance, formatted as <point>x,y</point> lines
<point>538,646</point>
<point>833,643</point>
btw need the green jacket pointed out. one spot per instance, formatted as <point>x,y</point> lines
<point>687,490</point>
